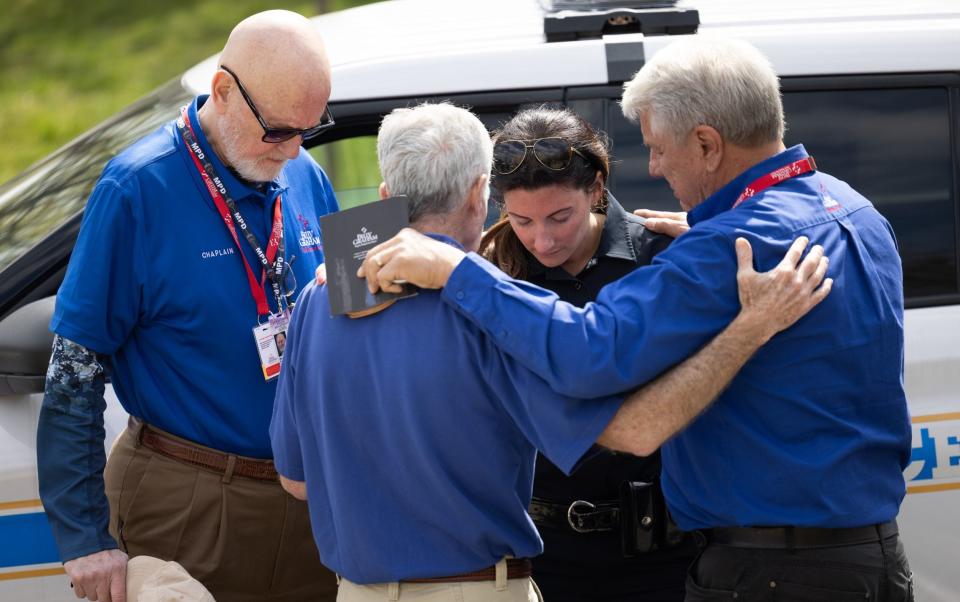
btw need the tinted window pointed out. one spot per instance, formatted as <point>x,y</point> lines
<point>893,146</point>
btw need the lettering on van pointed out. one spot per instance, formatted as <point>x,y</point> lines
<point>935,458</point>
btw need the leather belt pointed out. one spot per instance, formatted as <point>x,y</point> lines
<point>581,516</point>
<point>517,568</point>
<point>204,457</point>
<point>799,537</point>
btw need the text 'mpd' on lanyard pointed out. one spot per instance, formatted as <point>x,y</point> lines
<point>782,174</point>
<point>271,260</point>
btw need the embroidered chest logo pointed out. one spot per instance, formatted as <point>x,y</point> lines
<point>309,239</point>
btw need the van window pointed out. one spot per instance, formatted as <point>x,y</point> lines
<point>892,146</point>
<point>351,165</point>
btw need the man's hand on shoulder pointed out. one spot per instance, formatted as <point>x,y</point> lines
<point>101,576</point>
<point>671,223</point>
<point>772,301</point>
<point>409,257</point>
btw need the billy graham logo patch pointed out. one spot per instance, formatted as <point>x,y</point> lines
<point>309,238</point>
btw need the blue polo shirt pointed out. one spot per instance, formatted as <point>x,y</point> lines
<point>814,429</point>
<point>157,282</point>
<point>416,438</point>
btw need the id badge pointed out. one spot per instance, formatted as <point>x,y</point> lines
<point>271,338</point>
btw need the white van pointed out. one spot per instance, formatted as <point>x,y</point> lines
<point>871,87</point>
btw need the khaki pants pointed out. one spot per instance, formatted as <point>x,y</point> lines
<point>501,590</point>
<point>244,539</point>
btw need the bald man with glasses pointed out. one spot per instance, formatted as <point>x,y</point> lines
<point>180,288</point>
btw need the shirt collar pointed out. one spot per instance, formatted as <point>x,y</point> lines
<point>444,238</point>
<point>614,242</point>
<point>723,199</point>
<point>238,189</point>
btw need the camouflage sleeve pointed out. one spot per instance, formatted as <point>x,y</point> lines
<point>70,454</point>
<point>75,378</point>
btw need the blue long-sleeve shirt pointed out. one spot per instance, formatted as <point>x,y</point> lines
<point>419,459</point>
<point>814,429</point>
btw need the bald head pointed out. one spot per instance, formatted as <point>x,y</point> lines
<point>279,60</point>
<point>279,51</point>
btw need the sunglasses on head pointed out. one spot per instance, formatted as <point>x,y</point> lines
<point>277,135</point>
<point>553,153</point>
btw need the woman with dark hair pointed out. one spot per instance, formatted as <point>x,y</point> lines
<point>606,532</point>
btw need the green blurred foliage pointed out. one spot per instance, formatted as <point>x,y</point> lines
<point>352,167</point>
<point>67,65</point>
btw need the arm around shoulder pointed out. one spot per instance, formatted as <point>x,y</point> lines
<point>770,302</point>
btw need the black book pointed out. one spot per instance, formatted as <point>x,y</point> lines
<point>347,237</point>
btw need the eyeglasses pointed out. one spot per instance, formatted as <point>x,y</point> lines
<point>277,135</point>
<point>553,153</point>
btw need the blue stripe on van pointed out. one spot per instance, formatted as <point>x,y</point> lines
<point>27,539</point>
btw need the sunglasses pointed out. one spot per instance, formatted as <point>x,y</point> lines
<point>553,153</point>
<point>277,135</point>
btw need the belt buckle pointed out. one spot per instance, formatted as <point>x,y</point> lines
<point>573,520</point>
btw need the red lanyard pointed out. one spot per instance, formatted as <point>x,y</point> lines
<point>776,176</point>
<point>218,192</point>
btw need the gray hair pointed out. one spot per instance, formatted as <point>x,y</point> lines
<point>725,84</point>
<point>433,153</point>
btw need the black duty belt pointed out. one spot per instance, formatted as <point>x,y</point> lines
<point>798,537</point>
<point>581,516</point>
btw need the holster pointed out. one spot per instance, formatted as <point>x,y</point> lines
<point>645,524</point>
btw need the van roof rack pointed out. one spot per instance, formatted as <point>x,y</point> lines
<point>567,20</point>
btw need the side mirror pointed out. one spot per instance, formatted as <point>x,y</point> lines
<point>25,343</point>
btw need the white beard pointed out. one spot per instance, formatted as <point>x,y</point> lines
<point>253,170</point>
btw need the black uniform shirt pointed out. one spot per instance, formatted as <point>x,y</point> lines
<point>624,246</point>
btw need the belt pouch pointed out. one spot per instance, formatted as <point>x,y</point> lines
<point>638,518</point>
<point>645,524</point>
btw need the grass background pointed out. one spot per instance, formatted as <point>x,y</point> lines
<point>67,65</point>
